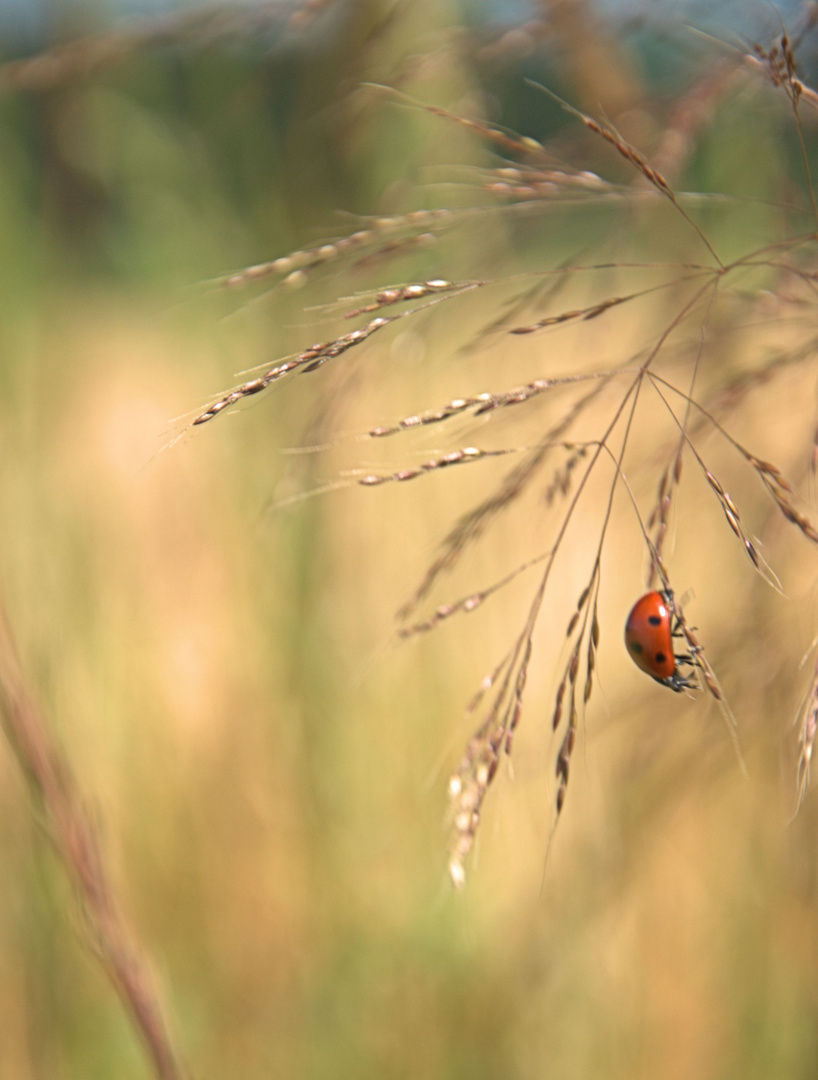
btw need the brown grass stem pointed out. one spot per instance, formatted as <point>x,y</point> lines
<point>77,842</point>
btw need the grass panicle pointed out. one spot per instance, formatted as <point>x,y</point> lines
<point>646,297</point>
<point>686,291</point>
<point>683,316</point>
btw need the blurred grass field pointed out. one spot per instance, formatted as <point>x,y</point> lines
<point>266,765</point>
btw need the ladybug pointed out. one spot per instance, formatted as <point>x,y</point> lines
<point>649,634</point>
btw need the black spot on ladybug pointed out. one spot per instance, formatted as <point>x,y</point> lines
<point>654,620</point>
<point>636,647</point>
<point>660,658</point>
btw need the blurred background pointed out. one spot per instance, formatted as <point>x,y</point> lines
<point>215,648</point>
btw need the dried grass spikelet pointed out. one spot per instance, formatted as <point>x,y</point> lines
<point>464,456</point>
<point>708,677</point>
<point>560,483</point>
<point>517,704</point>
<point>521,145</point>
<point>474,523</point>
<point>655,178</point>
<point>778,61</point>
<point>659,517</point>
<point>400,293</point>
<point>582,314</point>
<point>486,402</point>
<point>594,311</point>
<point>771,476</point>
<point>528,183</point>
<point>563,763</point>
<point>590,659</point>
<point>390,249</point>
<point>294,268</point>
<point>733,517</point>
<point>468,603</point>
<point>569,683</point>
<point>781,490</point>
<point>469,784</point>
<point>609,133</point>
<point>778,487</point>
<point>317,355</point>
<point>309,360</point>
<point>563,760</point>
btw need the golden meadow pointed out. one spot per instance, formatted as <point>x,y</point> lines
<point>461,352</point>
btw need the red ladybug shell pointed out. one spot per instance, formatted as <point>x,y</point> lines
<point>648,637</point>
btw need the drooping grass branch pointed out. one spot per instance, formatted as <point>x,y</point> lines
<point>76,840</point>
<point>699,304</point>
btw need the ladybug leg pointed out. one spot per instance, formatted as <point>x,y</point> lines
<point>688,659</point>
<point>678,682</point>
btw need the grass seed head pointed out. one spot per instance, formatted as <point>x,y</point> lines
<point>573,666</point>
<point>555,721</point>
